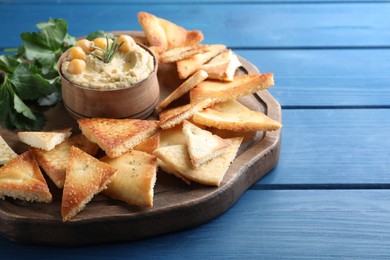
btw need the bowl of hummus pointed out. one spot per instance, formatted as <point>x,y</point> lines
<point>111,78</point>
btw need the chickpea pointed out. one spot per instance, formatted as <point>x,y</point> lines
<point>76,66</point>
<point>127,43</point>
<point>102,43</point>
<point>76,52</point>
<point>85,45</point>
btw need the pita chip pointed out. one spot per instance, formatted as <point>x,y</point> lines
<point>44,140</point>
<point>202,144</point>
<point>194,63</point>
<point>239,87</point>
<point>174,116</point>
<point>55,161</point>
<point>6,152</point>
<point>117,136</point>
<point>209,173</point>
<point>223,66</point>
<point>181,53</point>
<point>135,178</point>
<point>232,115</point>
<point>85,177</point>
<point>163,35</point>
<point>22,179</point>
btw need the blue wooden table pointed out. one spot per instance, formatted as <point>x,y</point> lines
<point>329,194</point>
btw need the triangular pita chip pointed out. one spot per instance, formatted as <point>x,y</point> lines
<point>209,173</point>
<point>223,66</point>
<point>85,177</point>
<point>184,88</point>
<point>22,179</point>
<point>234,116</point>
<point>117,136</point>
<point>202,144</point>
<point>55,161</point>
<point>164,35</point>
<point>174,116</point>
<point>194,63</point>
<point>44,140</point>
<point>181,53</point>
<point>6,152</point>
<point>135,178</point>
<point>239,87</point>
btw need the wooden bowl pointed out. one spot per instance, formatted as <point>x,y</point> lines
<point>135,101</point>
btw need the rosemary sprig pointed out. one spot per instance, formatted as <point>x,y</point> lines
<point>109,52</point>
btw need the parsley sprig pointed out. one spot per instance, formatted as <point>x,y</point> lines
<point>30,78</point>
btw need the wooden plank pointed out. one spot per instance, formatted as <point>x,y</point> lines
<point>323,146</point>
<point>262,224</point>
<point>275,25</point>
<point>305,78</point>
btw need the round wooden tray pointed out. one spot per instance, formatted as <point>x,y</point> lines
<point>177,205</point>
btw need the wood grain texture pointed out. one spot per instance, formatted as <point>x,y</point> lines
<point>270,25</point>
<point>326,78</point>
<point>332,146</point>
<point>264,224</point>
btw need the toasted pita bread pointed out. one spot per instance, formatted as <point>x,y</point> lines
<point>181,53</point>
<point>185,87</point>
<point>151,144</point>
<point>239,87</point>
<point>172,136</point>
<point>209,173</point>
<point>168,169</point>
<point>135,178</point>
<point>187,67</point>
<point>169,137</point>
<point>85,177</point>
<point>234,116</point>
<point>55,161</point>
<point>117,136</point>
<point>223,66</point>
<point>174,116</point>
<point>202,144</point>
<point>164,35</point>
<point>22,179</point>
<point>44,140</point>
<point>6,152</point>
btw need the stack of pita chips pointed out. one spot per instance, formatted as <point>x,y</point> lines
<point>200,156</point>
<point>208,74</point>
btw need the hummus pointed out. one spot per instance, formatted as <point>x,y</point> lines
<point>126,69</point>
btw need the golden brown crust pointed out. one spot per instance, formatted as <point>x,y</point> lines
<point>163,35</point>
<point>174,116</point>
<point>21,178</point>
<point>239,87</point>
<point>117,136</point>
<point>187,67</point>
<point>135,178</point>
<point>181,53</point>
<point>85,177</point>
<point>55,161</point>
<point>234,116</point>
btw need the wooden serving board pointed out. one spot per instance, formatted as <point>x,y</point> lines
<point>177,205</point>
